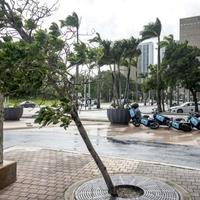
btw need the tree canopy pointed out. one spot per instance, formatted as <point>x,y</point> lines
<point>182,64</point>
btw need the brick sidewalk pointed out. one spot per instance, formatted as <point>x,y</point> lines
<point>46,174</point>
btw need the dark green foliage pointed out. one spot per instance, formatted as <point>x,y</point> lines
<point>22,69</point>
<point>71,20</point>
<point>79,56</point>
<point>151,30</point>
<point>58,113</point>
<point>30,24</point>
<point>182,66</point>
<point>54,30</point>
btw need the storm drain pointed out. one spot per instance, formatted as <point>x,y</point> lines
<point>146,189</point>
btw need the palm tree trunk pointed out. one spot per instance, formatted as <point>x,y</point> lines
<point>194,94</point>
<point>115,91</point>
<point>126,96</point>
<point>119,80</point>
<point>1,128</point>
<point>170,96</point>
<point>95,156</point>
<point>163,100</point>
<point>98,89</point>
<point>158,79</point>
<point>145,99</point>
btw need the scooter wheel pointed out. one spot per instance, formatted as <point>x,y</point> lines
<point>168,123</point>
<point>154,125</point>
<point>136,124</point>
<point>198,126</point>
<point>186,128</point>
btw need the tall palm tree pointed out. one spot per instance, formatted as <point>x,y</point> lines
<point>153,30</point>
<point>107,59</point>
<point>74,22</point>
<point>118,49</point>
<point>131,52</point>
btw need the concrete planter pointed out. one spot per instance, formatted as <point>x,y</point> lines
<point>13,113</point>
<point>8,173</point>
<point>118,116</point>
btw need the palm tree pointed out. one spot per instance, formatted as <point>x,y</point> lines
<point>118,49</point>
<point>131,52</point>
<point>73,21</point>
<point>153,30</point>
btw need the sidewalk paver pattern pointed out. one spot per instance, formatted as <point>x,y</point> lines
<point>46,174</point>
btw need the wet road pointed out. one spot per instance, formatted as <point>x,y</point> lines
<point>58,139</point>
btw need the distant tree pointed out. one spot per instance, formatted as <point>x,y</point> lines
<point>130,55</point>
<point>184,66</point>
<point>117,54</point>
<point>167,43</point>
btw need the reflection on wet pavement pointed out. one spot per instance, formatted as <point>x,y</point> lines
<point>143,143</point>
<point>161,135</point>
<point>129,132</point>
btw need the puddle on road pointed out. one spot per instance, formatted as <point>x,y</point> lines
<point>129,132</point>
<point>162,135</point>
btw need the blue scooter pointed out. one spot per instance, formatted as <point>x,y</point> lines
<point>161,119</point>
<point>137,119</point>
<point>194,120</point>
<point>180,124</point>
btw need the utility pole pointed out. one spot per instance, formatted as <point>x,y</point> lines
<point>1,128</point>
<point>77,70</point>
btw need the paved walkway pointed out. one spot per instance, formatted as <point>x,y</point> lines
<point>46,174</point>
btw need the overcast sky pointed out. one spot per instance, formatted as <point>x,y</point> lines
<point>115,19</point>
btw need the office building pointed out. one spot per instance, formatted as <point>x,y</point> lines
<point>190,30</point>
<point>146,58</point>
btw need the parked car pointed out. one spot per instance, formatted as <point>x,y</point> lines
<point>184,108</point>
<point>27,104</point>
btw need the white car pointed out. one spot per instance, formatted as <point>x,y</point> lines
<point>184,108</point>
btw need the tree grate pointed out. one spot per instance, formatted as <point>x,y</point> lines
<point>152,189</point>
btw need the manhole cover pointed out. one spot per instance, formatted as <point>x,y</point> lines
<point>152,189</point>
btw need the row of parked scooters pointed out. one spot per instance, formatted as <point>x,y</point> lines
<point>193,120</point>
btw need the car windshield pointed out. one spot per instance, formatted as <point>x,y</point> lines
<point>187,104</point>
<point>184,104</point>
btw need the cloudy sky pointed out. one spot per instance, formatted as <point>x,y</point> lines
<point>115,19</point>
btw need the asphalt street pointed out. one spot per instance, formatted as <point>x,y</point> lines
<point>57,139</point>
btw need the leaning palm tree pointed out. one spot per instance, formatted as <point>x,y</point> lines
<point>153,30</point>
<point>73,21</point>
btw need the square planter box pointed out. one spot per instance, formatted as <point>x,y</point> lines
<point>8,173</point>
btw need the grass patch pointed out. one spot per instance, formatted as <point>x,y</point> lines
<point>38,101</point>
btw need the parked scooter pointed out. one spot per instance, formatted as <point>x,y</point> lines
<point>137,119</point>
<point>161,119</point>
<point>149,122</point>
<point>180,124</point>
<point>194,120</point>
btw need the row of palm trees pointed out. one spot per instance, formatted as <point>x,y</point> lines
<point>116,54</point>
<point>120,53</point>
<point>125,52</point>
